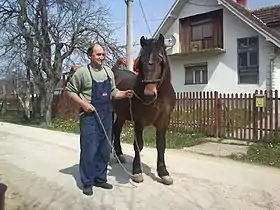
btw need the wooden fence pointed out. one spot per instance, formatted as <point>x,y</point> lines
<point>247,117</point>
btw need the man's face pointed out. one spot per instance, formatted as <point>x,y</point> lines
<point>98,55</point>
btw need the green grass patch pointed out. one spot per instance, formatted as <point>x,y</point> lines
<point>174,140</point>
<point>266,152</point>
<point>16,119</point>
<point>65,125</point>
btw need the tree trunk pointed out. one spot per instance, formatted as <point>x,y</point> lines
<point>25,103</point>
<point>46,100</point>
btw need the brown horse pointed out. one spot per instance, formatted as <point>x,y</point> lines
<point>152,104</point>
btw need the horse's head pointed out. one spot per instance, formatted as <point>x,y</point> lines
<point>151,64</point>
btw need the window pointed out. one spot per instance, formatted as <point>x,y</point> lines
<point>201,30</point>
<point>196,74</point>
<point>248,60</point>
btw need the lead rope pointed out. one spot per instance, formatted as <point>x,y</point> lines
<point>108,139</point>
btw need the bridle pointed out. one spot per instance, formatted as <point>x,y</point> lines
<point>158,81</point>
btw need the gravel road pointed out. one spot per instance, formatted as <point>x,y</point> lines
<point>40,168</point>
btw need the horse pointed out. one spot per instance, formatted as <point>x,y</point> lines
<point>153,102</point>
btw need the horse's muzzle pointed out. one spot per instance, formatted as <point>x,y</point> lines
<point>150,90</point>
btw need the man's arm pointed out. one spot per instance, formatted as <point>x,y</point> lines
<point>123,94</point>
<point>116,93</point>
<point>74,87</point>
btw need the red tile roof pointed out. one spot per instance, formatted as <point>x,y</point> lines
<point>268,14</point>
<point>254,18</point>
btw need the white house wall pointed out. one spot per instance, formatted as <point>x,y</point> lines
<point>276,72</point>
<point>222,69</point>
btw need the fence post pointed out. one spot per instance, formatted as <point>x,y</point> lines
<point>255,118</point>
<point>276,113</point>
<point>217,114</point>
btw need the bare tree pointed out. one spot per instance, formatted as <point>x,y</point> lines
<point>49,34</point>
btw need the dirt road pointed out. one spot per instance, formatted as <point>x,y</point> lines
<point>40,168</point>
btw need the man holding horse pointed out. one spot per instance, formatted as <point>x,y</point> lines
<point>93,87</point>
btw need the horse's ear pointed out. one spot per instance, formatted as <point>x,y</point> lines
<point>160,40</point>
<point>142,41</point>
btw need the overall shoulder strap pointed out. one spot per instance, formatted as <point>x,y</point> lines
<point>89,71</point>
<point>107,73</point>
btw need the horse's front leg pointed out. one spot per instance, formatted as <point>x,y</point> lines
<point>138,146</point>
<point>161,145</point>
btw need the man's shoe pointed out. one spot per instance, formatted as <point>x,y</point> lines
<point>103,185</point>
<point>87,190</point>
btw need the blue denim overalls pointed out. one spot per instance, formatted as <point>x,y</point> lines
<point>95,148</point>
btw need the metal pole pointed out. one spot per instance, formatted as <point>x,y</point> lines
<point>129,35</point>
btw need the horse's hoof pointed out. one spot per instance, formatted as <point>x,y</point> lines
<point>138,178</point>
<point>121,159</point>
<point>167,180</point>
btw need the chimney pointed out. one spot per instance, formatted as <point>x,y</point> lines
<point>242,3</point>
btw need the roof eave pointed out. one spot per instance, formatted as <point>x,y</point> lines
<point>268,36</point>
<point>170,16</point>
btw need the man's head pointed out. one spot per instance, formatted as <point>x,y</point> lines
<point>96,55</point>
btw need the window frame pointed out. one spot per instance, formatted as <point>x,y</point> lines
<point>189,67</point>
<point>249,69</point>
<point>202,22</point>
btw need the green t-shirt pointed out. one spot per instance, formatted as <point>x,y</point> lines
<point>81,82</point>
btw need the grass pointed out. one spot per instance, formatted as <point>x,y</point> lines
<point>265,152</point>
<point>15,119</point>
<point>174,140</point>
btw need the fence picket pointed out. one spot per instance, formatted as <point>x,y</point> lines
<point>227,115</point>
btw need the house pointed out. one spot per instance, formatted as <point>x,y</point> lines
<point>221,45</point>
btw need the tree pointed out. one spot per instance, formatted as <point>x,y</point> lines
<point>50,34</point>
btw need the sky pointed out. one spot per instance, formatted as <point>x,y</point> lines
<point>155,11</point>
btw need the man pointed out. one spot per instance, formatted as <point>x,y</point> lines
<point>92,87</point>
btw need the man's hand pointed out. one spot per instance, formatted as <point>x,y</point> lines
<point>87,107</point>
<point>129,93</point>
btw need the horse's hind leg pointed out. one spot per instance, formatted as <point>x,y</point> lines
<point>138,146</point>
<point>117,129</point>
<point>161,145</point>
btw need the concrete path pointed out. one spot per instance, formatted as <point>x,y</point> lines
<point>40,167</point>
<point>217,149</point>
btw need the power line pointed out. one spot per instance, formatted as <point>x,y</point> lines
<point>145,18</point>
<point>136,21</point>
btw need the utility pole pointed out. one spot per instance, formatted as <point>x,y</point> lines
<point>129,35</point>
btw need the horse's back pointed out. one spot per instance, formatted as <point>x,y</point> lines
<point>125,79</point>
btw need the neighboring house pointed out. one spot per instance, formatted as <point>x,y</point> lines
<point>223,46</point>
